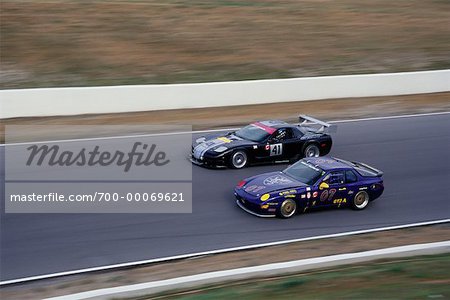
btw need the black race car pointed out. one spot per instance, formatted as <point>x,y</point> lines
<point>264,142</point>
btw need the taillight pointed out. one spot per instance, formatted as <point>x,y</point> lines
<point>376,186</point>
<point>241,184</point>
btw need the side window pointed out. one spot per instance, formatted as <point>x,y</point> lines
<point>350,177</point>
<point>296,133</point>
<point>336,177</point>
<point>282,134</point>
<point>289,134</point>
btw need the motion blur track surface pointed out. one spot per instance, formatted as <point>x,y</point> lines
<point>413,152</point>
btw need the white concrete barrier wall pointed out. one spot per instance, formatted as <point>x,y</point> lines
<point>116,99</point>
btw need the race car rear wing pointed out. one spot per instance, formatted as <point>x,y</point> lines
<point>375,172</point>
<point>324,127</point>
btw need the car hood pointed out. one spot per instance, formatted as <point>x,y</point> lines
<point>216,142</point>
<point>270,182</point>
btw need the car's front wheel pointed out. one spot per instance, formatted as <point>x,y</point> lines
<point>238,159</point>
<point>287,208</point>
<point>361,200</point>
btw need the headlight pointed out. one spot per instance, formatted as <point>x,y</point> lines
<point>265,197</point>
<point>220,149</point>
<point>200,140</point>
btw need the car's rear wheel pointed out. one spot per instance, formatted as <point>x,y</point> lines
<point>238,159</point>
<point>312,150</point>
<point>287,208</point>
<point>361,200</point>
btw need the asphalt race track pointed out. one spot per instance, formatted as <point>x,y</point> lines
<point>412,152</point>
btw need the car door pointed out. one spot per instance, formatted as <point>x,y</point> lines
<point>290,144</point>
<point>280,145</point>
<point>351,185</point>
<point>332,189</point>
<point>275,145</point>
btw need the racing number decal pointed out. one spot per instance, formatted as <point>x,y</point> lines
<point>327,195</point>
<point>276,149</point>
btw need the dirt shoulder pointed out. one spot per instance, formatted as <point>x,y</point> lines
<point>115,42</point>
<point>225,117</point>
<point>273,254</point>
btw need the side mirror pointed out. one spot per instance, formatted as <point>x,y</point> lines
<point>323,185</point>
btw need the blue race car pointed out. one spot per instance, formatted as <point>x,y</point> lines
<point>313,182</point>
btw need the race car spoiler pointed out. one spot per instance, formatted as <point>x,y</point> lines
<point>377,172</point>
<point>324,127</point>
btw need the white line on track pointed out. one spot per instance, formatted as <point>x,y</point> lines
<point>215,130</point>
<point>190,255</point>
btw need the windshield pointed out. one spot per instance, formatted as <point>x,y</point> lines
<point>304,172</point>
<point>252,133</point>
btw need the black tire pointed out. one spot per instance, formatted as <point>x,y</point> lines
<point>311,150</point>
<point>287,209</point>
<point>360,201</point>
<point>238,159</point>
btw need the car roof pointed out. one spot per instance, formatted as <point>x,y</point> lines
<point>275,124</point>
<point>327,163</point>
<point>270,126</point>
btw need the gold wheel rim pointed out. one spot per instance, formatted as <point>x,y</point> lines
<point>361,200</point>
<point>288,208</point>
